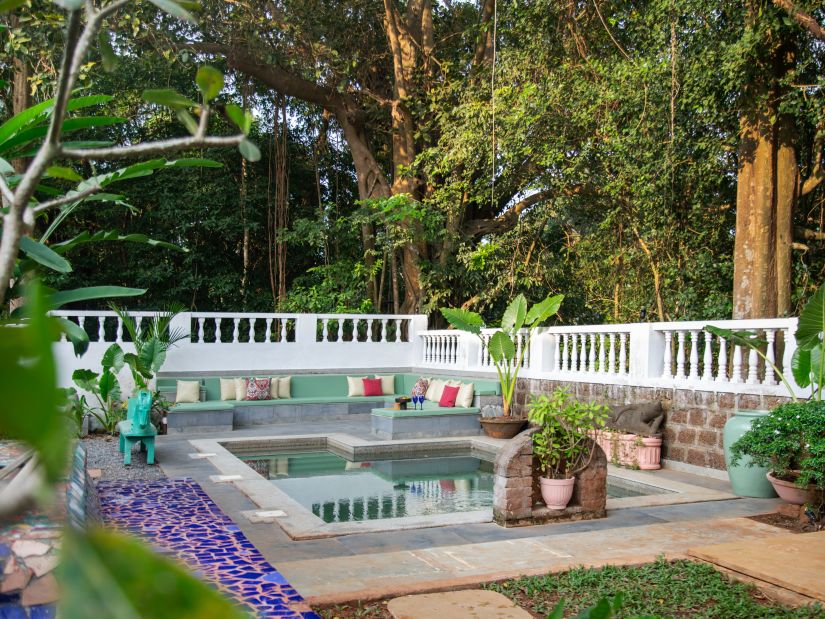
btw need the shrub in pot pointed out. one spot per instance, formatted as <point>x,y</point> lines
<point>790,442</point>
<point>562,445</point>
<point>506,356</point>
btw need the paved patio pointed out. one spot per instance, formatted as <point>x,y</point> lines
<point>382,563</point>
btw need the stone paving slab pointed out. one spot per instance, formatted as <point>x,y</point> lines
<point>390,573</point>
<point>467,604</point>
<point>795,562</point>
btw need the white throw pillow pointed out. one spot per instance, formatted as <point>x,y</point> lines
<point>464,399</point>
<point>273,387</point>
<point>355,386</point>
<point>188,391</point>
<point>240,388</point>
<point>435,389</point>
<point>284,387</point>
<point>228,389</point>
<point>387,384</point>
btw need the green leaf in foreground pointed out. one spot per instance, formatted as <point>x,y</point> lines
<point>108,574</point>
<point>174,8</point>
<point>240,117</point>
<point>59,299</point>
<point>249,151</point>
<point>28,382</point>
<point>463,320</point>
<point>168,97</point>
<point>209,81</point>
<point>41,254</point>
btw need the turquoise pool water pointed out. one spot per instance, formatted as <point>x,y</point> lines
<point>338,490</point>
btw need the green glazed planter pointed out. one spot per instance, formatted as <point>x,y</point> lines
<point>749,481</point>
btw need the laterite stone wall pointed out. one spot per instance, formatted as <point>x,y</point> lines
<point>693,419</point>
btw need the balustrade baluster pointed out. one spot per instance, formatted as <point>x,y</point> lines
<point>340,337</point>
<point>398,336</point>
<point>119,331</point>
<point>251,332</point>
<point>101,331</point>
<point>592,358</point>
<point>556,352</point>
<point>770,375</point>
<point>667,360</point>
<point>680,356</point>
<point>602,367</point>
<point>736,370</point>
<point>268,331</point>
<point>694,355</point>
<point>368,336</point>
<point>707,358</point>
<point>753,367</point>
<point>611,355</point>
<point>383,334</point>
<point>622,353</point>
<point>218,333</point>
<point>236,323</point>
<point>574,352</point>
<point>324,324</point>
<point>565,354</point>
<point>722,363</point>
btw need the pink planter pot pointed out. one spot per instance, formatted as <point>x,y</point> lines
<point>556,492</point>
<point>649,453</point>
<point>791,493</point>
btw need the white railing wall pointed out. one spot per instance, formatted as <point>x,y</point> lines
<point>676,354</point>
<point>673,354</point>
<point>253,342</point>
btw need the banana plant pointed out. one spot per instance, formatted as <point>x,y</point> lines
<point>502,345</point>
<point>104,387</point>
<point>151,343</point>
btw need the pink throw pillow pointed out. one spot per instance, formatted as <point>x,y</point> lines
<point>448,397</point>
<point>258,388</point>
<point>372,386</point>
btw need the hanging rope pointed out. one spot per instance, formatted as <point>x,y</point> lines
<point>493,101</point>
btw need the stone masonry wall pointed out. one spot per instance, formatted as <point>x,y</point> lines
<point>693,419</point>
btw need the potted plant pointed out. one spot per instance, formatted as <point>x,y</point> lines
<point>562,444</point>
<point>790,442</point>
<point>748,477</point>
<point>505,355</point>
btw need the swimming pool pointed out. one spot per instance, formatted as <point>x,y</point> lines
<point>337,489</point>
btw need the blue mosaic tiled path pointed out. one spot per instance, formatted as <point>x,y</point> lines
<point>177,517</point>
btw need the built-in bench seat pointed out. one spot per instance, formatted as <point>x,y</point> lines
<point>433,421</point>
<point>313,396</point>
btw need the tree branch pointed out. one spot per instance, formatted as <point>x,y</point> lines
<point>805,20</point>
<point>8,196</point>
<point>507,220</point>
<point>151,148</point>
<point>483,43</point>
<point>67,199</point>
<point>808,234</point>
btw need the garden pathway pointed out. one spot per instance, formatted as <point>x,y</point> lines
<point>178,518</point>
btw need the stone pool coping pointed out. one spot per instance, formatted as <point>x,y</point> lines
<point>301,524</point>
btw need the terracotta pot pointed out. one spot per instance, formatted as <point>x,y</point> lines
<point>556,492</point>
<point>502,427</point>
<point>649,453</point>
<point>791,493</point>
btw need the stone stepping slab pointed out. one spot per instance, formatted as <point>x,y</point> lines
<point>467,604</point>
<point>178,518</point>
<point>794,562</point>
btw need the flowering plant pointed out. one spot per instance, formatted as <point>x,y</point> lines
<point>790,441</point>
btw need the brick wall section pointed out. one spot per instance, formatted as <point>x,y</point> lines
<point>693,419</point>
<point>517,497</point>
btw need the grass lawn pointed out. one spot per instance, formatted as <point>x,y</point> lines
<point>662,589</point>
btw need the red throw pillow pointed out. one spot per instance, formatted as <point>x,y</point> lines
<point>372,386</point>
<point>448,397</point>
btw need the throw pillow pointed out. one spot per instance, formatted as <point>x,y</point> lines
<point>387,384</point>
<point>273,387</point>
<point>258,388</point>
<point>355,386</point>
<point>228,389</point>
<point>372,387</point>
<point>240,388</point>
<point>465,395</point>
<point>420,387</point>
<point>284,387</point>
<point>448,396</point>
<point>434,389</point>
<point>188,391</point>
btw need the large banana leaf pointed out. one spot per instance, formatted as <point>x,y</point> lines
<point>542,310</point>
<point>111,235</point>
<point>113,358</point>
<point>61,298</point>
<point>513,318</point>
<point>811,326</point>
<point>745,339</point>
<point>501,347</point>
<point>463,320</point>
<point>44,255</point>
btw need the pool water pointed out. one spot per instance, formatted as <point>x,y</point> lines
<point>339,490</point>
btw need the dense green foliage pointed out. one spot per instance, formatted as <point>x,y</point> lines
<point>622,116</point>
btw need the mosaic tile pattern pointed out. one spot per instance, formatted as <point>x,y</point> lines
<point>178,517</point>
